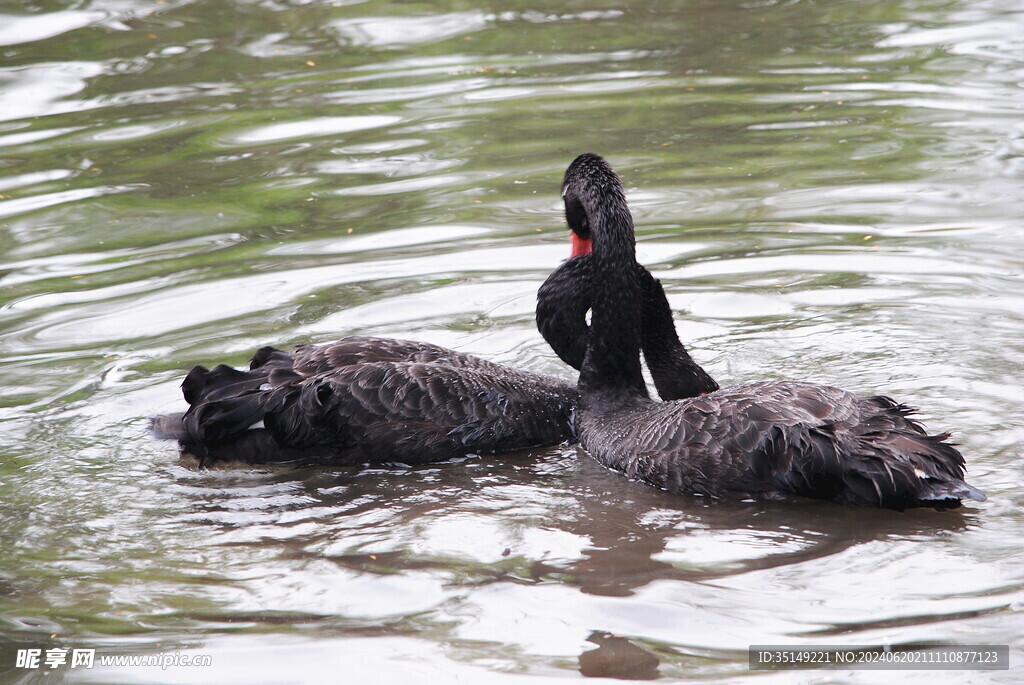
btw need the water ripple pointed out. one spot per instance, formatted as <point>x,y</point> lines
<point>826,190</point>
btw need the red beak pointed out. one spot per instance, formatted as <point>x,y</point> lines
<point>580,246</point>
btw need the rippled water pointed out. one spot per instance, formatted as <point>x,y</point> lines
<point>831,191</point>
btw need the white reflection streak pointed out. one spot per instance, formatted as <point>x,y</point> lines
<point>29,204</point>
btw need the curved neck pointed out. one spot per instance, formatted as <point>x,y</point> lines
<point>676,375</point>
<point>566,296</point>
<point>562,304</point>
<point>611,369</point>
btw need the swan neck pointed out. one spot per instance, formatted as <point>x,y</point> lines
<point>611,369</point>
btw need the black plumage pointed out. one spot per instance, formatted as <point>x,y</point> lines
<point>765,439</point>
<point>562,304</point>
<point>365,399</point>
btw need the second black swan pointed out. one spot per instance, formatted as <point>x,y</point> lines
<point>765,439</point>
<point>365,399</point>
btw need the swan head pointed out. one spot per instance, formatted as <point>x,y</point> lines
<point>590,189</point>
<point>579,223</point>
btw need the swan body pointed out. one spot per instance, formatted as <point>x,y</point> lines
<point>767,439</point>
<point>777,438</point>
<point>366,399</point>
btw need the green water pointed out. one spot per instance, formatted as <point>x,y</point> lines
<point>831,191</point>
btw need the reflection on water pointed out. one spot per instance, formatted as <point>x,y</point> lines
<point>828,191</point>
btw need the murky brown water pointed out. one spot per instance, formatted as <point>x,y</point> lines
<point>831,191</point>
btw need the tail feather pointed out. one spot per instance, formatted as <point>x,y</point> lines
<point>946,491</point>
<point>224,419</point>
<point>194,384</point>
<point>882,460</point>
<point>220,383</point>
<point>267,355</point>
<point>226,402</point>
<point>907,468</point>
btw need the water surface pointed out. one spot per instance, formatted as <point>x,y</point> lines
<point>828,191</point>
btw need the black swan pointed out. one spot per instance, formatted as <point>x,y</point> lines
<point>365,399</point>
<point>766,439</point>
